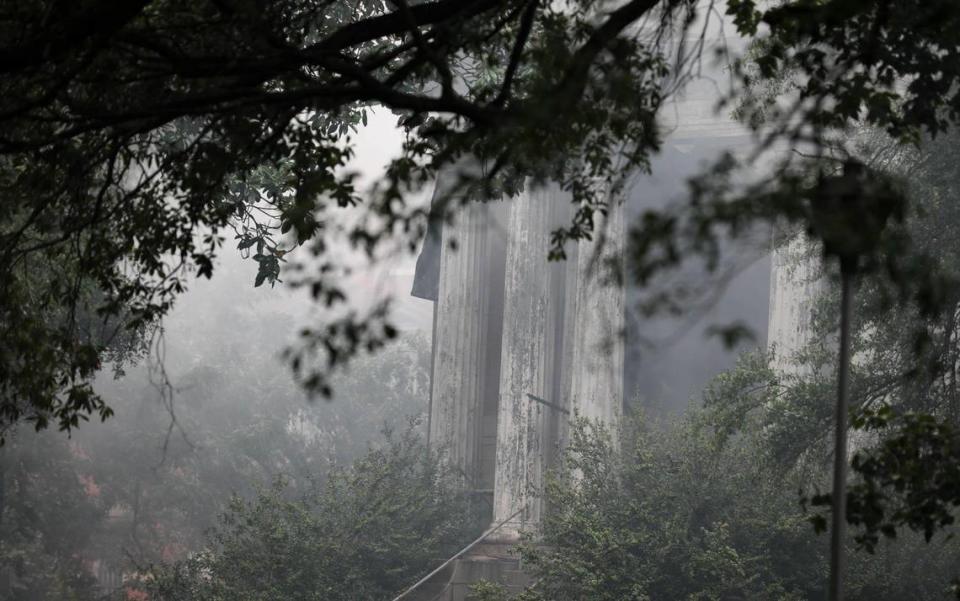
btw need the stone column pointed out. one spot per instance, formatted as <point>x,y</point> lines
<point>597,344</point>
<point>796,282</point>
<point>525,366</point>
<point>461,324</point>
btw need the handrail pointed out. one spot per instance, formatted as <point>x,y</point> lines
<point>553,406</point>
<point>459,554</point>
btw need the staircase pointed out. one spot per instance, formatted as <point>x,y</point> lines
<point>492,562</point>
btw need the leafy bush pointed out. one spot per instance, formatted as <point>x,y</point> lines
<point>678,512</point>
<point>367,532</point>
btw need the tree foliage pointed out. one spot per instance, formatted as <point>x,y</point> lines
<point>145,486</point>
<point>680,513</point>
<point>366,533</point>
<point>48,498</point>
<point>134,137</point>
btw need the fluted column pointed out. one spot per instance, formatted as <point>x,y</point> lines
<point>526,361</point>
<point>796,281</point>
<point>565,394</point>
<point>461,316</point>
<point>597,345</point>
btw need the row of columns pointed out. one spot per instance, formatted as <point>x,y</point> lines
<point>557,317</point>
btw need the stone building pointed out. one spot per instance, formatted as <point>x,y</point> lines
<point>521,344</point>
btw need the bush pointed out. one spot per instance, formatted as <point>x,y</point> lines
<point>677,512</point>
<point>369,531</point>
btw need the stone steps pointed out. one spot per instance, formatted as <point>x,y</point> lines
<point>488,562</point>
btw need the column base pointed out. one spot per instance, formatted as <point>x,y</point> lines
<point>509,533</point>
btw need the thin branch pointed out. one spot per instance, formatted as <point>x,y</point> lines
<point>526,25</point>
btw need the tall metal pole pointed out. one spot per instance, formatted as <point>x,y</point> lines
<point>849,213</point>
<point>839,517</point>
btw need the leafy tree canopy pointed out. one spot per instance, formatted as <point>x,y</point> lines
<point>135,138</point>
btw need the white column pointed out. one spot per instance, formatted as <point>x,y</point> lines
<point>796,281</point>
<point>597,344</point>
<point>460,340</point>
<point>526,360</point>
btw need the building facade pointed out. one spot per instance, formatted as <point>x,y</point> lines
<point>520,343</point>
